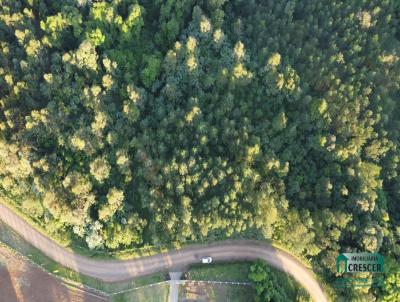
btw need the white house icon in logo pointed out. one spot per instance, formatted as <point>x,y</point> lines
<point>341,263</point>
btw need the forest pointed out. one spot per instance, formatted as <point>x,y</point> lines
<point>127,123</point>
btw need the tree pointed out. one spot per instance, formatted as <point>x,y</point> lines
<point>93,237</point>
<point>266,285</point>
<point>114,202</point>
<point>100,169</point>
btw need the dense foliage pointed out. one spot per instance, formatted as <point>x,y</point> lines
<point>267,287</point>
<point>271,287</point>
<point>133,122</point>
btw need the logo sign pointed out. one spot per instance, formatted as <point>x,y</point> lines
<point>359,263</point>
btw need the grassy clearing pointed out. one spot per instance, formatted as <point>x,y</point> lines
<point>237,271</point>
<point>13,240</point>
<point>216,293</point>
<point>157,293</point>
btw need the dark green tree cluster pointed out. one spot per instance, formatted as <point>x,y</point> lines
<point>131,122</point>
<point>266,285</point>
<point>390,289</point>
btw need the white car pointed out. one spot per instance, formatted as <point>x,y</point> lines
<point>206,260</point>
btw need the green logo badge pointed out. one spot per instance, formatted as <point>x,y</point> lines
<point>359,262</point>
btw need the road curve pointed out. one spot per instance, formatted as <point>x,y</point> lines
<point>119,270</point>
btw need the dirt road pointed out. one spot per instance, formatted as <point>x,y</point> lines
<point>113,270</point>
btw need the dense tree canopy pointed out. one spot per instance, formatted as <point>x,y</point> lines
<point>133,122</point>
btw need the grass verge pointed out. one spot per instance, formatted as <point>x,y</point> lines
<point>157,293</point>
<point>216,292</point>
<point>237,271</point>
